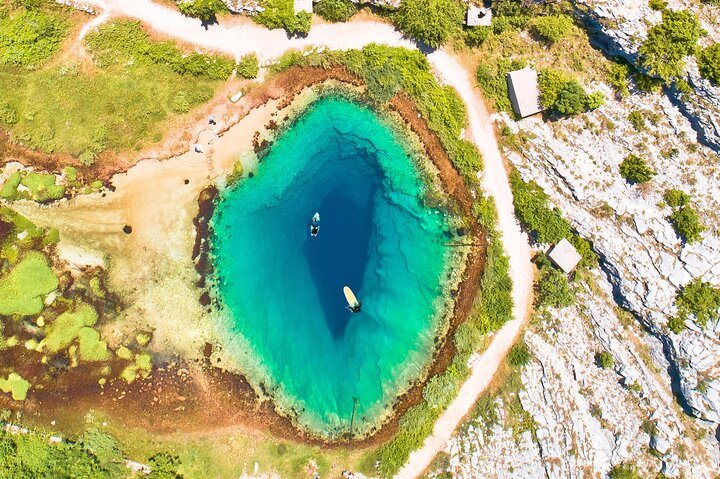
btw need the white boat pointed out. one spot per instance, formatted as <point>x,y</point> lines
<point>315,224</point>
<point>353,304</point>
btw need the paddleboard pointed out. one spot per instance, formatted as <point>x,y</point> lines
<point>352,301</point>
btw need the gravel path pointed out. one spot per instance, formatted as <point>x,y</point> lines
<point>269,44</point>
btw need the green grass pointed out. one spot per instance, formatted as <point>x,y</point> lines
<point>63,331</point>
<point>15,385</point>
<point>23,289</point>
<point>122,104</point>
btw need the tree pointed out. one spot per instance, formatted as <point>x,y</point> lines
<point>686,222</point>
<point>564,95</point>
<point>635,170</point>
<point>439,391</point>
<point>553,289</point>
<point>605,360</point>
<point>669,42</point>
<point>248,66</point>
<point>205,10</point>
<point>709,62</point>
<point>335,10</point>
<point>676,198</point>
<point>430,21</point>
<point>700,300</point>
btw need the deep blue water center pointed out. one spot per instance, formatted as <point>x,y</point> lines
<point>281,288</point>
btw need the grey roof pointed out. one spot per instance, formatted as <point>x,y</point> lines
<point>302,6</point>
<point>478,16</point>
<point>524,91</point>
<point>565,256</point>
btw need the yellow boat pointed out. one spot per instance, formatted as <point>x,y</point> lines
<point>353,304</point>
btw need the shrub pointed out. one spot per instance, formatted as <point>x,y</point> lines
<point>699,300</point>
<point>519,355</point>
<point>16,386</point>
<point>624,471</point>
<point>686,222</point>
<point>553,289</point>
<point>637,120</point>
<point>164,466</point>
<point>430,21</point>
<point>8,115</point>
<point>635,170</point>
<point>29,38</point>
<point>669,42</point>
<point>552,28</point>
<point>205,10</point>
<point>281,14</point>
<point>564,95</point>
<point>545,223</point>
<point>475,36</point>
<point>440,391</point>
<point>493,81</point>
<point>605,360</point>
<point>594,100</point>
<point>335,10</point>
<point>658,5</point>
<point>676,198</point>
<point>248,67</point>
<point>709,62</point>
<point>617,77</point>
<point>676,325</point>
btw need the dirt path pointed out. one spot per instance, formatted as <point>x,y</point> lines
<point>515,242</point>
<point>269,44</point>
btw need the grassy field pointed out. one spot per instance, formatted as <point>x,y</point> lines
<point>118,101</point>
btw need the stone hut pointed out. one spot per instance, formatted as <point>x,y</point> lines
<point>478,16</point>
<point>524,92</point>
<point>565,256</point>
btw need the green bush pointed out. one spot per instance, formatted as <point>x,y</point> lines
<point>23,290</point>
<point>635,170</point>
<point>617,77</point>
<point>658,5</point>
<point>440,391</point>
<point>281,14</point>
<point>8,115</point>
<point>669,42</point>
<point>430,21</point>
<point>624,471</point>
<point>16,386</point>
<point>605,360</point>
<point>699,300</point>
<point>594,100</point>
<point>564,95</point>
<point>552,28</point>
<point>29,38</point>
<point>519,355</point>
<point>709,62</point>
<point>545,223</point>
<point>676,324</point>
<point>553,289</point>
<point>637,119</point>
<point>492,79</point>
<point>335,10</point>
<point>205,10</point>
<point>164,466</point>
<point>686,222</point>
<point>676,198</point>
<point>66,327</point>
<point>475,36</point>
<point>248,67</point>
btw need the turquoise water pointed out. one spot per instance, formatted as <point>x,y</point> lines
<point>282,289</point>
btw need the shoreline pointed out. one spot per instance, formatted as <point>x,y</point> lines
<point>462,292</point>
<point>198,383</point>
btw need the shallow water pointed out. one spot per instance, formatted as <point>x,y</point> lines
<point>282,288</point>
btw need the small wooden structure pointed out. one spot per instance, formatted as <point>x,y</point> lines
<point>524,92</point>
<point>565,256</point>
<point>478,16</point>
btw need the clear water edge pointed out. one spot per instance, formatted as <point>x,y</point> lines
<point>263,377</point>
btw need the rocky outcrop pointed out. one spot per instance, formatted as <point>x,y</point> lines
<point>587,419</point>
<point>619,27</point>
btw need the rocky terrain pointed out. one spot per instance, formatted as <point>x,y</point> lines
<point>659,406</point>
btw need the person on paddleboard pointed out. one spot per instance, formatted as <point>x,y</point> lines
<point>315,224</point>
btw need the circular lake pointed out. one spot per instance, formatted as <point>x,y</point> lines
<point>281,289</point>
